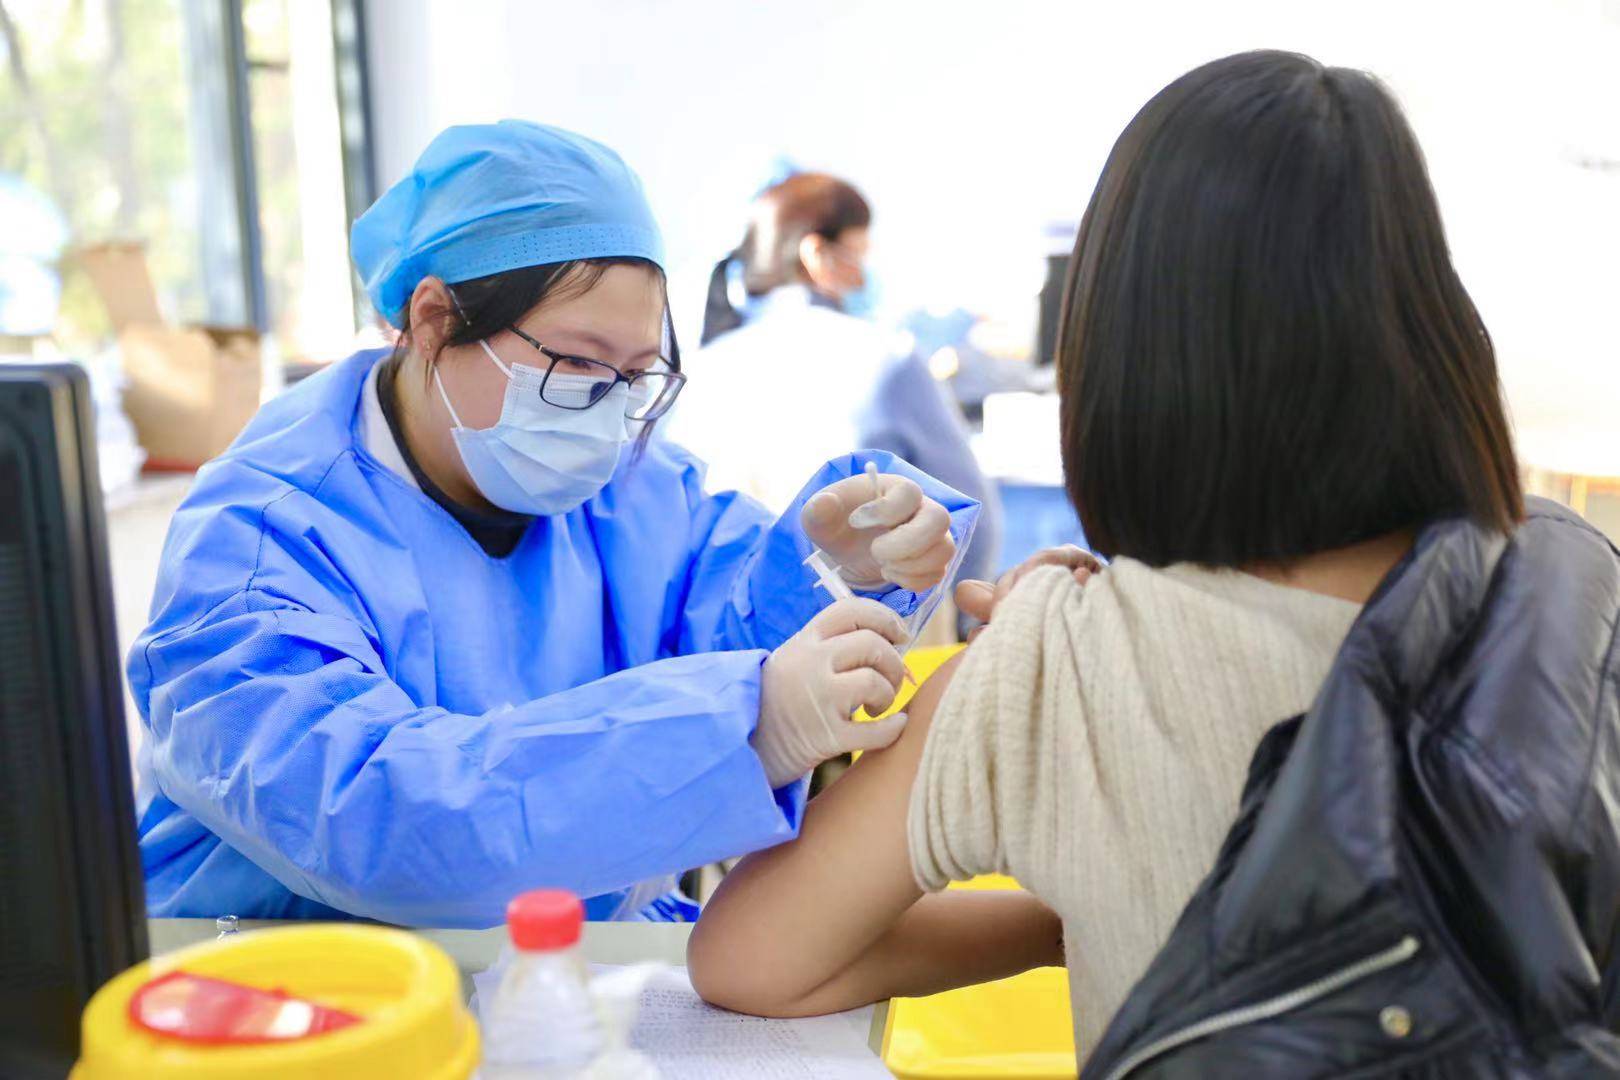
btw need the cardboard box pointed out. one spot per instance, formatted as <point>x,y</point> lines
<point>124,283</point>
<point>190,390</point>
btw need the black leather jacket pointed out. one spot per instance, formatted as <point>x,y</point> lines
<point>1424,876</point>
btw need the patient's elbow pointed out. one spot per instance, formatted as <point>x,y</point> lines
<point>723,975</point>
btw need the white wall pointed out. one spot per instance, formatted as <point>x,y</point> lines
<point>971,125</point>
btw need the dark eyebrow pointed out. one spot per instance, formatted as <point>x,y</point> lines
<point>596,341</point>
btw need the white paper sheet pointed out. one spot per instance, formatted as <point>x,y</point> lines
<point>689,1039</point>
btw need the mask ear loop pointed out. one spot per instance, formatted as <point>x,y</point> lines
<point>456,300</point>
<point>455,418</point>
<point>489,352</point>
<point>438,382</point>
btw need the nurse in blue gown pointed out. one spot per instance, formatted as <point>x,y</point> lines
<point>445,624</point>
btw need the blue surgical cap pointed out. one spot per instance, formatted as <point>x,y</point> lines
<point>484,198</point>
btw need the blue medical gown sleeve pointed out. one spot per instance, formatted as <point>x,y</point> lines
<point>279,729</point>
<point>749,587</point>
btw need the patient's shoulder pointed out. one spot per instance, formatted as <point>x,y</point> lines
<point>1038,624</point>
<point>1137,641</point>
<point>1049,596</point>
<point>1048,608</point>
<point>1051,630</point>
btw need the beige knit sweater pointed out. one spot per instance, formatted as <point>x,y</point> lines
<point>1094,744</point>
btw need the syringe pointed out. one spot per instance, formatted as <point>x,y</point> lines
<point>827,574</point>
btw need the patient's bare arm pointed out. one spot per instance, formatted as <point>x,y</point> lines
<point>834,919</point>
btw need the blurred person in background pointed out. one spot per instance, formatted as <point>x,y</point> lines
<point>792,374</point>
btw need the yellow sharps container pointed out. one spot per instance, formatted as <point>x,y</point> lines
<point>405,990</point>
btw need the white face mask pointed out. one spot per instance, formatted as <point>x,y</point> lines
<point>540,458</point>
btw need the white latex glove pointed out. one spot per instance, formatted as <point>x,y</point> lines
<point>843,659</point>
<point>881,528</point>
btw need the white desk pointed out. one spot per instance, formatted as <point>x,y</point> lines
<point>475,950</point>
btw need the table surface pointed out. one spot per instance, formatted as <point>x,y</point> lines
<point>475,950</point>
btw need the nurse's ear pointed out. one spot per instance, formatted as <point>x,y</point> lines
<point>831,270</point>
<point>433,318</point>
<point>816,259</point>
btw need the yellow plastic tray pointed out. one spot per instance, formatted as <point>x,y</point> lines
<point>1019,1027</point>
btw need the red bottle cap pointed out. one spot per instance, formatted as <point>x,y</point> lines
<point>545,919</point>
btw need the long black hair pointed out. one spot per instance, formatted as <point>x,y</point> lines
<point>1266,351</point>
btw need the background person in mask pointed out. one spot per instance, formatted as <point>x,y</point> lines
<point>791,370</point>
<point>444,625</point>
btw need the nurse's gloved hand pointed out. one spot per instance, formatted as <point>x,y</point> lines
<point>881,528</point>
<point>844,659</point>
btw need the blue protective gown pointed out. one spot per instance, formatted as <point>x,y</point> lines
<point>350,708</point>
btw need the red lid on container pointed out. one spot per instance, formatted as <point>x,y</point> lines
<point>197,1008</point>
<point>545,919</point>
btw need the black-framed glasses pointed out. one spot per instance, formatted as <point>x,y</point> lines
<point>578,382</point>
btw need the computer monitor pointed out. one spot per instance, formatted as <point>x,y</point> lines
<point>72,908</point>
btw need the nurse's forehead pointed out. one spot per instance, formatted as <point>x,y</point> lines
<point>611,330</point>
<point>620,290</point>
<point>624,308</point>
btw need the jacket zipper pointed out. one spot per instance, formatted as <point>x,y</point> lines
<point>1393,956</point>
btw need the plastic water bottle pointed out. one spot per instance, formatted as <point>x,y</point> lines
<point>542,1024</point>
